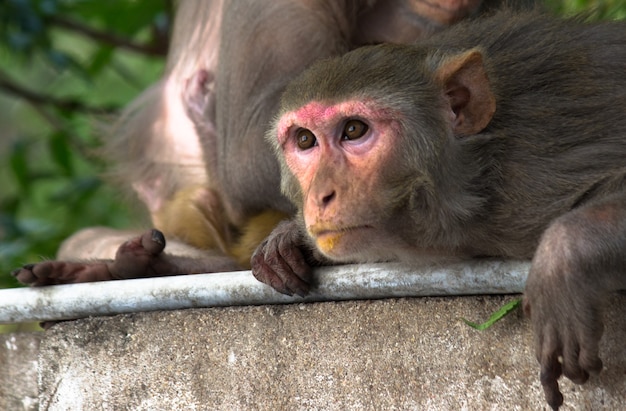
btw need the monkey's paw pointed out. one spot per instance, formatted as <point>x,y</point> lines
<point>280,263</point>
<point>566,336</point>
<point>135,258</point>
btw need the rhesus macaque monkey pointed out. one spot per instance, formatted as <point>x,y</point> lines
<point>193,147</point>
<point>501,137</point>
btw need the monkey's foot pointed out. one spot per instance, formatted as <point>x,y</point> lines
<point>62,272</point>
<point>141,257</point>
<point>138,257</point>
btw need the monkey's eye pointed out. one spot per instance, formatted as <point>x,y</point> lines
<point>354,129</point>
<point>306,139</point>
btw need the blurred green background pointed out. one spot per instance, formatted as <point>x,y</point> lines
<point>65,66</point>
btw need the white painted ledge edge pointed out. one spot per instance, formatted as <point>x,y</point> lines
<point>345,282</point>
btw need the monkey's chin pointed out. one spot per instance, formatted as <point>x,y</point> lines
<point>346,245</point>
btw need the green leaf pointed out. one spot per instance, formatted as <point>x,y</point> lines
<point>61,154</point>
<point>19,165</point>
<point>77,190</point>
<point>497,316</point>
<point>101,59</point>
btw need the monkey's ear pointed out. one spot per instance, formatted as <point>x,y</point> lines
<point>466,87</point>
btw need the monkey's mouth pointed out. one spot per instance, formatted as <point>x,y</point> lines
<point>318,230</point>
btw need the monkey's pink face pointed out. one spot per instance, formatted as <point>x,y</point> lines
<point>337,154</point>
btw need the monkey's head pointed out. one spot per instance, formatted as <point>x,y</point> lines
<point>367,144</point>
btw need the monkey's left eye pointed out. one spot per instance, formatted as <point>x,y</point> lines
<point>305,139</point>
<point>354,129</point>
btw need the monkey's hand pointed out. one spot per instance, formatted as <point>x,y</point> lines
<point>564,302</point>
<point>579,262</point>
<point>567,330</point>
<point>135,258</point>
<point>280,261</point>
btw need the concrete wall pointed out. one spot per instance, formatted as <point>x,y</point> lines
<point>407,353</point>
<point>18,371</point>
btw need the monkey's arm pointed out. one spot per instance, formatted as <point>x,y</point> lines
<point>284,259</point>
<point>580,260</point>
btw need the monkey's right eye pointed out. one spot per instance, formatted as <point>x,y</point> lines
<point>306,139</point>
<point>354,129</point>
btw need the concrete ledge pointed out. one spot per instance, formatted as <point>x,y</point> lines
<point>406,353</point>
<point>18,371</point>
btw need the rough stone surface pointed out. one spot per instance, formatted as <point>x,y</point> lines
<point>407,353</point>
<point>18,372</point>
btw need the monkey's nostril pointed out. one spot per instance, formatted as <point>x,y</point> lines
<point>327,199</point>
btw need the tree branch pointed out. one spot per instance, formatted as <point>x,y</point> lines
<point>38,99</point>
<point>74,141</point>
<point>159,48</point>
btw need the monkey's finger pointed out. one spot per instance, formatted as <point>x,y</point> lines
<point>550,373</point>
<point>270,268</point>
<point>298,281</point>
<point>133,258</point>
<point>589,357</point>
<point>548,351</point>
<point>586,361</point>
<point>153,241</point>
<point>571,367</point>
<point>581,348</point>
<point>46,273</point>
<point>289,279</point>
<point>267,274</point>
<point>590,361</point>
<point>25,275</point>
<point>294,281</point>
<point>293,256</point>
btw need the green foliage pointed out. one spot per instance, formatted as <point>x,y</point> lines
<point>596,9</point>
<point>28,26</point>
<point>67,64</point>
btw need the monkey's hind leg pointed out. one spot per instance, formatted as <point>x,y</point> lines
<point>139,257</point>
